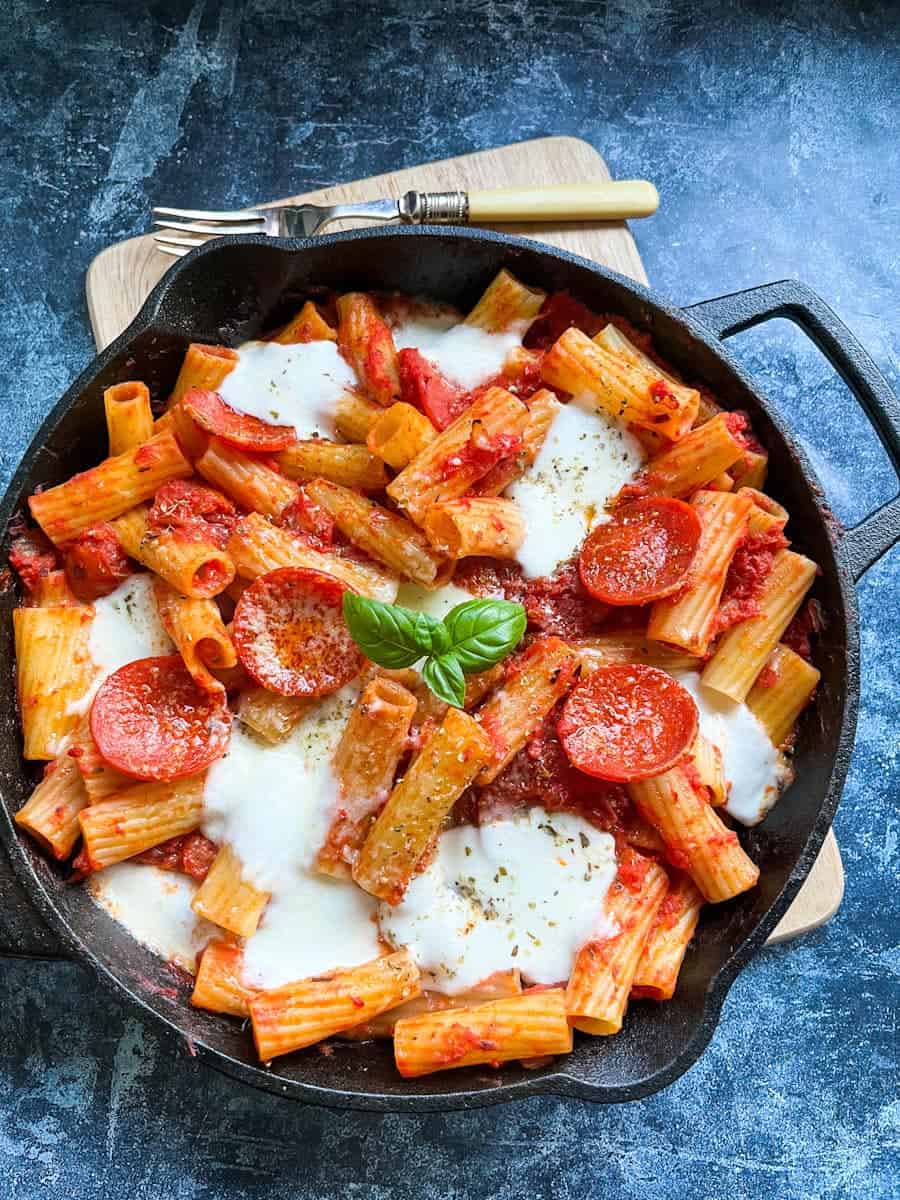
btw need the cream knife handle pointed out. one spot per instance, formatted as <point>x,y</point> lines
<point>614,201</point>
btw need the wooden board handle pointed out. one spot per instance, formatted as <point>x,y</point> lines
<point>566,202</point>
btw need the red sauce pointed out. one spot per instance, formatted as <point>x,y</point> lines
<point>192,854</point>
<point>423,386</point>
<point>541,775</point>
<point>632,870</point>
<point>95,563</point>
<point>559,313</point>
<point>739,427</point>
<point>482,452</point>
<point>746,578</point>
<point>557,604</point>
<point>527,382</point>
<point>809,621</point>
<point>305,517</point>
<point>670,909</point>
<point>193,512</point>
<point>32,557</point>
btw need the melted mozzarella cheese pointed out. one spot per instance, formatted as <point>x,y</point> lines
<point>436,603</point>
<point>289,385</point>
<point>273,805</point>
<point>155,907</point>
<point>525,892</point>
<point>464,354</point>
<point>586,458</point>
<point>126,626</point>
<point>754,770</point>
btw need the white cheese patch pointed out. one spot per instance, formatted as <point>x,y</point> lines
<point>526,892</point>
<point>273,805</point>
<point>289,385</point>
<point>436,603</point>
<point>464,354</point>
<point>126,626</point>
<point>155,907</point>
<point>754,770</point>
<point>586,458</point>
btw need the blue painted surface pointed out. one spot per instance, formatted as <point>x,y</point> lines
<point>772,134</point>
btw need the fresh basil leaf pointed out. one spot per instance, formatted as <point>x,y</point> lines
<point>482,632</point>
<point>444,676</point>
<point>390,635</point>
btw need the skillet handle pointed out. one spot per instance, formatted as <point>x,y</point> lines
<point>866,542</point>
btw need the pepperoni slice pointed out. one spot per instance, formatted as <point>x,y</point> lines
<point>211,413</point>
<point>627,722</point>
<point>643,553</point>
<point>151,720</point>
<point>291,636</point>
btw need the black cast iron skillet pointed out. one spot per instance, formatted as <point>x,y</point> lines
<point>229,291</point>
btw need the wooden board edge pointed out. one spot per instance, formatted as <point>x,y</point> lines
<point>820,896</point>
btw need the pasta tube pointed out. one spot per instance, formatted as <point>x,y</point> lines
<point>129,421</point>
<point>133,820</point>
<point>350,466</point>
<point>227,899</point>
<point>781,692</point>
<point>529,1025</point>
<point>197,629</point>
<point>545,672</point>
<point>597,994</point>
<point>625,386</point>
<point>365,763</point>
<point>383,534</point>
<point>660,963</point>
<point>506,304</point>
<point>108,490</point>
<point>688,618</point>
<point>695,838</point>
<point>256,547</point>
<point>194,566</point>
<point>490,429</point>
<point>54,670</point>
<point>50,814</point>
<point>416,807</point>
<point>219,986</point>
<point>742,652</point>
<point>475,525</point>
<point>299,1014</point>
<point>203,367</point>
<point>246,480</point>
<point>399,434</point>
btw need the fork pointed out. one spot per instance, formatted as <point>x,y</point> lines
<point>611,201</point>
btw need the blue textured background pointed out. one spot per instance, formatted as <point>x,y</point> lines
<point>772,133</point>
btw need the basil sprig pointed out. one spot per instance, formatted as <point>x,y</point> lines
<point>472,637</point>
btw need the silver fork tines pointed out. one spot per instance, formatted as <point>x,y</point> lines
<point>297,220</point>
<point>208,215</point>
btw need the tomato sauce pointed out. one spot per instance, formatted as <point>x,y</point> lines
<point>314,523</point>
<point>191,854</point>
<point>809,622</point>
<point>541,775</point>
<point>424,387</point>
<point>560,312</point>
<point>481,452</point>
<point>32,557</point>
<point>95,563</point>
<point>556,604</point>
<point>739,427</point>
<point>746,578</point>
<point>193,512</point>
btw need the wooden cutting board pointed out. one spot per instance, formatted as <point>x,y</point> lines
<point>120,278</point>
